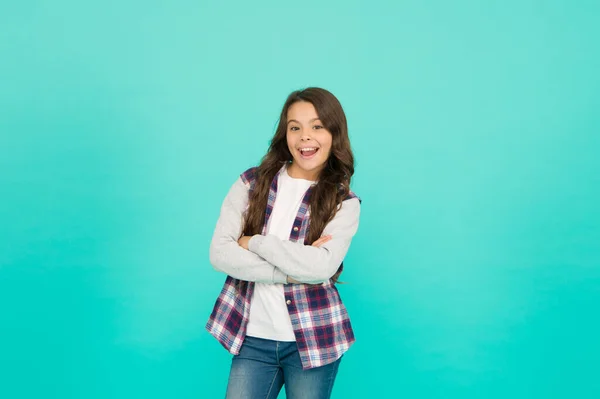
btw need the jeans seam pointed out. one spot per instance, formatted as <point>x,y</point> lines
<point>272,382</point>
<point>332,379</point>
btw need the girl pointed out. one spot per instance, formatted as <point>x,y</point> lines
<point>284,229</point>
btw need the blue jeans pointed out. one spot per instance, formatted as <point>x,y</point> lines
<point>264,366</point>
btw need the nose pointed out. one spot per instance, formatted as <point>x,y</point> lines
<point>305,135</point>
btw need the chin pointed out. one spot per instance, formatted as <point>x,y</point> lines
<point>309,165</point>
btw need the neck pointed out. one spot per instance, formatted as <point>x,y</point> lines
<point>296,172</point>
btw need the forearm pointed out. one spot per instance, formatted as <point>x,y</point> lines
<point>226,255</point>
<point>307,263</point>
<point>304,263</point>
<point>235,261</point>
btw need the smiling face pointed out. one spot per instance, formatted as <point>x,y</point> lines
<point>308,141</point>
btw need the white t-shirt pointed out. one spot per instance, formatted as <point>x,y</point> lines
<point>269,317</point>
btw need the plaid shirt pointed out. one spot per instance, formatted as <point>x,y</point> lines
<point>319,318</point>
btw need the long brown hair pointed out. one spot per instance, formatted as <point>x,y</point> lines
<point>333,183</point>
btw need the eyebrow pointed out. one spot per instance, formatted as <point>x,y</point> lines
<point>312,120</point>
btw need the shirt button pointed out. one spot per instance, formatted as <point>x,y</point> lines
<point>288,302</point>
<point>296,228</point>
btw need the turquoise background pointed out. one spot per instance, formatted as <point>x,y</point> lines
<point>476,129</point>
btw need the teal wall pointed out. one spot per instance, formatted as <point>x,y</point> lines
<point>476,128</point>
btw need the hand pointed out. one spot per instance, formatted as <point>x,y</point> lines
<point>322,241</point>
<point>292,281</point>
<point>317,244</point>
<point>243,241</point>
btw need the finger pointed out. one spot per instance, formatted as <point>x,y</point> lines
<point>326,238</point>
<point>322,241</point>
<point>318,242</point>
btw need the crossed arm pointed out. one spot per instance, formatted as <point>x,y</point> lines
<point>268,259</point>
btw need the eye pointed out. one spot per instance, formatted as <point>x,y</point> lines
<point>317,127</point>
<point>294,128</point>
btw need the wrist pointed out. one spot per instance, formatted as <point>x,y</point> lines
<point>243,242</point>
<point>254,242</point>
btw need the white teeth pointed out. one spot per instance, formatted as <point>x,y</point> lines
<point>308,149</point>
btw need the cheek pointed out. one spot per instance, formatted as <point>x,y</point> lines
<point>327,143</point>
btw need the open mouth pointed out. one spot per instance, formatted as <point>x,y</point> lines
<point>308,153</point>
